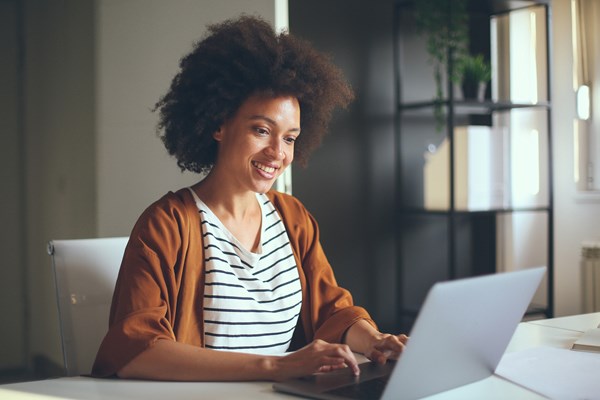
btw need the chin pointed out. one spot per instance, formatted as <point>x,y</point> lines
<point>264,188</point>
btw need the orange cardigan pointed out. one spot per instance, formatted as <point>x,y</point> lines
<point>160,287</point>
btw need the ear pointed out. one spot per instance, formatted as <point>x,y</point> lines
<point>218,135</point>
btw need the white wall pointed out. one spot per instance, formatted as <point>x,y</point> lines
<point>577,217</point>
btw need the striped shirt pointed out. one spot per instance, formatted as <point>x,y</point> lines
<point>251,300</point>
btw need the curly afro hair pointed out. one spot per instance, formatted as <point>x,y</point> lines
<point>237,59</point>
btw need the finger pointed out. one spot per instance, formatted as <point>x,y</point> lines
<point>379,357</point>
<point>391,343</point>
<point>354,364</point>
<point>389,349</point>
<point>332,367</point>
<point>349,357</point>
<point>328,360</point>
<point>331,353</point>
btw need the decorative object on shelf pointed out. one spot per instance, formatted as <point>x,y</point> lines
<point>445,25</point>
<point>474,74</point>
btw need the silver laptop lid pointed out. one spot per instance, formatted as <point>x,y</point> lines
<point>462,331</point>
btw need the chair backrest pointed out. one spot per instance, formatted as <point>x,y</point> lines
<point>85,272</point>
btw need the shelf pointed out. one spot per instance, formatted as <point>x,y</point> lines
<point>492,156</point>
<point>532,311</point>
<point>423,211</point>
<point>536,310</point>
<point>492,7</point>
<point>472,107</point>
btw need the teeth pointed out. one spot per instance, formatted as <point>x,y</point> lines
<point>262,167</point>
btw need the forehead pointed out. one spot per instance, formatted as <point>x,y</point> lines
<point>276,108</point>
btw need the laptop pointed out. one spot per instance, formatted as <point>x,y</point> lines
<point>459,337</point>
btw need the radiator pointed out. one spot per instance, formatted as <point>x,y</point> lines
<point>590,275</point>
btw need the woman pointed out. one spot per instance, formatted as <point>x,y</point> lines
<point>220,278</point>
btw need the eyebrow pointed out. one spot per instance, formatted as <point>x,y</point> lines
<point>271,121</point>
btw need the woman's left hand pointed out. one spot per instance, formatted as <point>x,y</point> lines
<point>386,346</point>
<point>363,338</point>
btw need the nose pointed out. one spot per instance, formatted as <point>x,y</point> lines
<point>275,150</point>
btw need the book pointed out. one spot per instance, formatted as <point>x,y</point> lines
<point>589,341</point>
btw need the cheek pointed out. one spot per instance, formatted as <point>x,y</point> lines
<point>289,156</point>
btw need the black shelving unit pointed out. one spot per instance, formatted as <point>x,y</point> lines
<point>452,241</point>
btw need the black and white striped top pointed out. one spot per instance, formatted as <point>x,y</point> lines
<point>251,300</point>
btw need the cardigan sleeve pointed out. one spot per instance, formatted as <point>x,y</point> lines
<point>328,310</point>
<point>142,307</point>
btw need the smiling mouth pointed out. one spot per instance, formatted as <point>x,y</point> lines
<point>263,167</point>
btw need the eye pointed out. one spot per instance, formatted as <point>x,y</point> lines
<point>261,131</point>
<point>290,139</point>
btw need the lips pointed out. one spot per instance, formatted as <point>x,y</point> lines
<point>263,167</point>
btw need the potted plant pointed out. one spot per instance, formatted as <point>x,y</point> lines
<point>444,23</point>
<point>474,73</point>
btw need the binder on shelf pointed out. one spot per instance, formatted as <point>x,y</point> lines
<point>479,167</point>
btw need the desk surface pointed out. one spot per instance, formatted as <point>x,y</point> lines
<point>579,323</point>
<point>556,332</point>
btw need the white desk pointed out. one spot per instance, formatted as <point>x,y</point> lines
<point>577,323</point>
<point>556,332</point>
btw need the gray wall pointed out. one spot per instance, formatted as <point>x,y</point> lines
<point>12,301</point>
<point>80,157</point>
<point>348,184</point>
<point>59,156</point>
<point>138,47</point>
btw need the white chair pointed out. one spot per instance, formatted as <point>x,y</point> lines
<point>85,272</point>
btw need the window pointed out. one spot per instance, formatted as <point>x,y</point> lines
<point>586,85</point>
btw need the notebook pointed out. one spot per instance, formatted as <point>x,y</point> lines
<point>459,336</point>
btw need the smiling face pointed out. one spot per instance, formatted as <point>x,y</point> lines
<point>257,143</point>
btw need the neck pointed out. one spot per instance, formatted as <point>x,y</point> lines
<point>226,201</point>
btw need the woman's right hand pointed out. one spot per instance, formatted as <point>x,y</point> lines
<point>318,356</point>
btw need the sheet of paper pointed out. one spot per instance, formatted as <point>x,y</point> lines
<point>555,373</point>
<point>591,338</point>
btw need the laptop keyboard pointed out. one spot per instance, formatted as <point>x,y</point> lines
<point>367,390</point>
